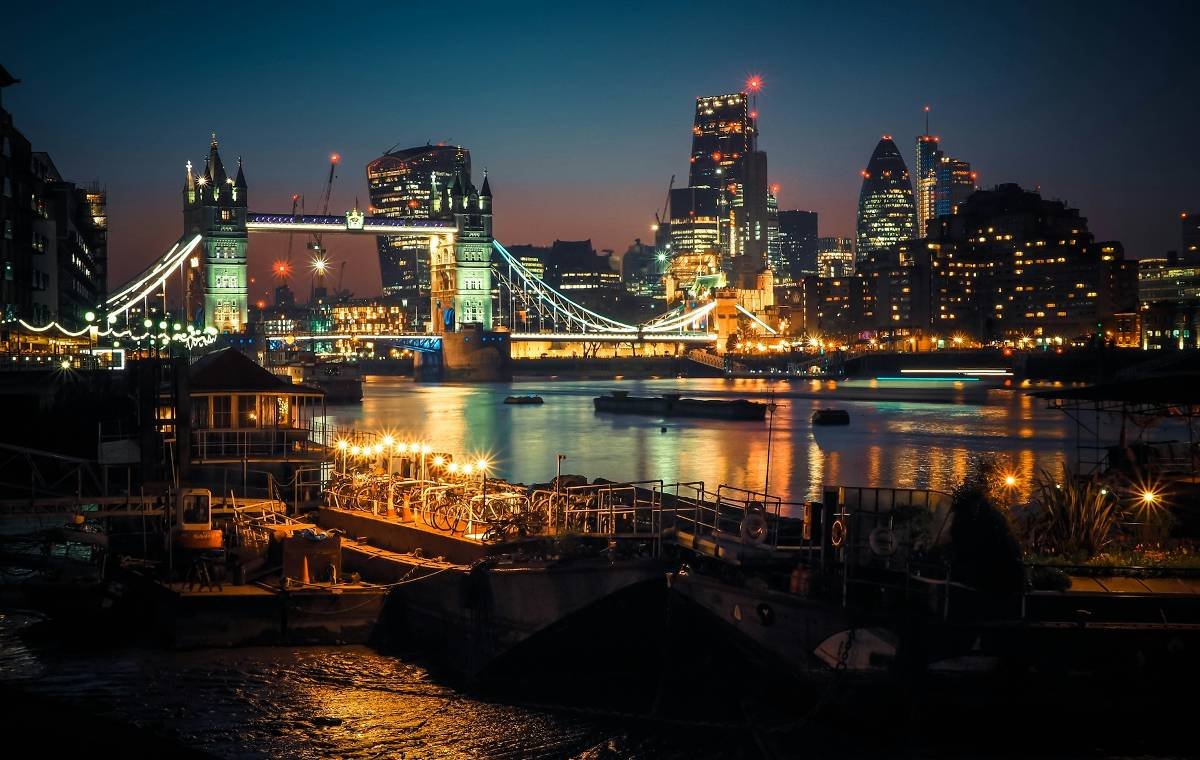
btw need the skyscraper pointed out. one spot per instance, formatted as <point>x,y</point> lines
<point>722,135</point>
<point>926,180</point>
<point>886,213</point>
<point>696,224</point>
<point>797,245</point>
<point>410,183</point>
<point>835,257</point>
<point>1190,224</point>
<point>955,183</point>
<point>724,158</point>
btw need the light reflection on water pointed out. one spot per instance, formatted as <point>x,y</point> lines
<point>906,444</point>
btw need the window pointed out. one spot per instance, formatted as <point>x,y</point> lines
<point>247,411</point>
<point>200,412</point>
<point>221,417</point>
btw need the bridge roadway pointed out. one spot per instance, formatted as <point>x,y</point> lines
<point>596,337</point>
<point>373,225</point>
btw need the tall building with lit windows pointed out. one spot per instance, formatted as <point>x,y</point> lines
<point>723,134</point>
<point>925,186</point>
<point>835,257</point>
<point>725,158</point>
<point>696,235</point>
<point>411,183</point>
<point>955,183</point>
<point>886,212</point>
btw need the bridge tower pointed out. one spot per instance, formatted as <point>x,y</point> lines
<point>463,290</point>
<point>214,206</point>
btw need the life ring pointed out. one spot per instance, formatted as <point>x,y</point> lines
<point>754,524</point>
<point>837,533</point>
<point>882,541</point>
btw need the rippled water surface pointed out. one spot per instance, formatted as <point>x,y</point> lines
<point>310,702</point>
<point>906,444</point>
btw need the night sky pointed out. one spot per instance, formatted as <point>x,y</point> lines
<point>582,112</point>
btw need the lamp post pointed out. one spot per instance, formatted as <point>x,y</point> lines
<point>770,429</point>
<point>342,446</point>
<point>482,464</point>
<point>389,443</point>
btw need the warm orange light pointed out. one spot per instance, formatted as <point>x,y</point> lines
<point>1010,480</point>
<point>334,158</point>
<point>754,83</point>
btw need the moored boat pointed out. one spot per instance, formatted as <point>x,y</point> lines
<point>831,417</point>
<point>672,405</point>
<point>524,400</point>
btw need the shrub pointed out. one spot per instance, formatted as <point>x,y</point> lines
<point>1073,518</point>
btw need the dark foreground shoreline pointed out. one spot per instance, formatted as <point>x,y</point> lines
<point>58,728</point>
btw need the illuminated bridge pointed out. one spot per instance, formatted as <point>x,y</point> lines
<point>474,279</point>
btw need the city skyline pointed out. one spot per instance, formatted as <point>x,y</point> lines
<point>573,175</point>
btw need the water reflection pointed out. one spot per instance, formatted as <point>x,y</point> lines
<point>904,444</point>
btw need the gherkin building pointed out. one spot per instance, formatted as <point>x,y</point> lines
<point>886,212</point>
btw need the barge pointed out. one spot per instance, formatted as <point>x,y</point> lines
<point>672,405</point>
<point>507,568</point>
<point>858,585</point>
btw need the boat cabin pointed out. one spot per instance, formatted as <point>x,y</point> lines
<point>240,411</point>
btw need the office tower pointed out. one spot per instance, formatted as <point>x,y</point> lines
<point>725,158</point>
<point>955,183</point>
<point>886,212</point>
<point>835,257</point>
<point>411,183</point>
<point>928,156</point>
<point>1190,228</point>
<point>723,134</point>
<point>696,224</point>
<point>797,245</point>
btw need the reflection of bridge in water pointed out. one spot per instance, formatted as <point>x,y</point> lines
<point>476,283</point>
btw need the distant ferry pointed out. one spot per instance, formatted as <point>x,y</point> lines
<point>671,405</point>
<point>524,400</point>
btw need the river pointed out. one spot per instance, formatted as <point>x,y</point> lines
<point>928,443</point>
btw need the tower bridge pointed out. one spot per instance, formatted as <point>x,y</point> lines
<point>476,284</point>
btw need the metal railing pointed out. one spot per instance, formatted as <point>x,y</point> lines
<point>282,443</point>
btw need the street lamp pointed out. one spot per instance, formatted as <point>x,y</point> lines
<point>342,446</point>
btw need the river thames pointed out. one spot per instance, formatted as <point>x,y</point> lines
<point>889,443</point>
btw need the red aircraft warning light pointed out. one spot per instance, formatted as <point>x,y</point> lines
<point>754,83</point>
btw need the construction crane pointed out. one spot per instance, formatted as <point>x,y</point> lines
<point>340,295</point>
<point>316,245</point>
<point>661,226</point>
<point>661,219</point>
<point>295,205</point>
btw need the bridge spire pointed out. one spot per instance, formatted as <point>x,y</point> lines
<point>240,182</point>
<point>216,168</point>
<point>190,182</point>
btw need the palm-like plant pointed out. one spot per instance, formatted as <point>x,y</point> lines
<point>1074,517</point>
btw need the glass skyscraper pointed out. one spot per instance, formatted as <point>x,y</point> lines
<point>409,183</point>
<point>928,156</point>
<point>723,134</point>
<point>798,245</point>
<point>725,158</point>
<point>955,183</point>
<point>886,212</point>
